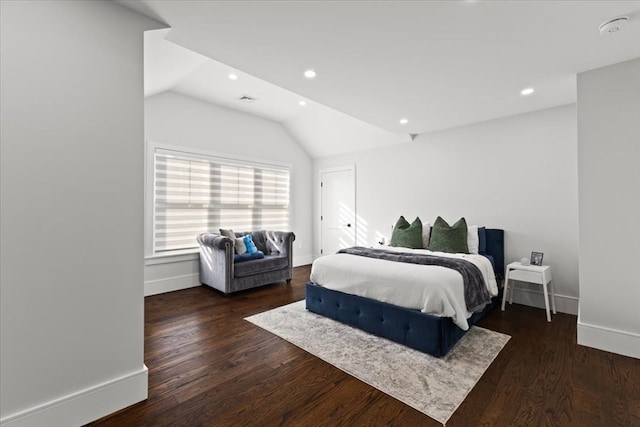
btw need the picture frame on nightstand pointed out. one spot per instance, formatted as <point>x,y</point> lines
<point>536,258</point>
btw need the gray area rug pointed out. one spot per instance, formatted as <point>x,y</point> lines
<point>433,386</point>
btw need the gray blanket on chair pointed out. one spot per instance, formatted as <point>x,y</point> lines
<point>476,295</point>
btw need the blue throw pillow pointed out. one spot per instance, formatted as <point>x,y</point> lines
<point>248,242</point>
<point>248,257</point>
<point>482,240</point>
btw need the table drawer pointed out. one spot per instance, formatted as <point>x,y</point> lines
<point>526,276</point>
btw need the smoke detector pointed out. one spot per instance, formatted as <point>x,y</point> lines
<point>246,99</point>
<point>613,26</point>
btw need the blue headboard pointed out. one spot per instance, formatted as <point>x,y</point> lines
<point>495,248</point>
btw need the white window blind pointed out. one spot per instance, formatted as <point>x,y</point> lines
<point>198,194</point>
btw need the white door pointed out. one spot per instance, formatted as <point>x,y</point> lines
<point>338,209</point>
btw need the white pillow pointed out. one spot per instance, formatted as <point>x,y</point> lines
<point>426,234</point>
<point>473,241</point>
<point>240,246</point>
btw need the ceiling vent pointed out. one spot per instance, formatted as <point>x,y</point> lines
<point>613,25</point>
<point>246,99</point>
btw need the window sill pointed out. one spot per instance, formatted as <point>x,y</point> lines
<point>169,257</point>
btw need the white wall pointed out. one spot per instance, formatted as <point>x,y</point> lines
<point>179,120</point>
<point>609,190</point>
<point>71,206</point>
<point>517,173</point>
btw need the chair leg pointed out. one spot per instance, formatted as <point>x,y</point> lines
<point>288,281</point>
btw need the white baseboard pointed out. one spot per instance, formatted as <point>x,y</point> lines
<point>86,405</point>
<point>535,298</point>
<point>169,284</point>
<point>302,260</point>
<point>176,283</point>
<point>607,339</point>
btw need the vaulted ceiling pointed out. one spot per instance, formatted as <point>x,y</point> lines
<point>438,64</point>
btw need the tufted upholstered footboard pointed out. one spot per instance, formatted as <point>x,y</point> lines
<point>430,334</point>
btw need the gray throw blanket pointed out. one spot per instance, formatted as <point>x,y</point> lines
<point>476,295</point>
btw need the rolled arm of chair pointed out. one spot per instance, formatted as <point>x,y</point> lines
<point>215,241</point>
<point>216,261</point>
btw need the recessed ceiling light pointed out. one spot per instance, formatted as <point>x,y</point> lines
<point>404,121</point>
<point>233,76</point>
<point>302,103</point>
<point>527,91</point>
<point>310,74</point>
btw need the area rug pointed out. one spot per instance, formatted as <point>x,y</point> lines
<point>433,386</point>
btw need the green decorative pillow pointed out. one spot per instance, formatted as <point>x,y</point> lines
<point>446,238</point>
<point>407,235</point>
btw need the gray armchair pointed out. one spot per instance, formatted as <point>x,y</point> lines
<point>218,269</point>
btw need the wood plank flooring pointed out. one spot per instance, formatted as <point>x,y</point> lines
<point>209,367</point>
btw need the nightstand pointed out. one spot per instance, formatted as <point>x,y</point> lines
<point>538,274</point>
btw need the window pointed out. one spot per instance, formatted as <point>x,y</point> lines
<point>195,194</point>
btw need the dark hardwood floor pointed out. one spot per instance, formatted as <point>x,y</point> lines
<point>209,367</point>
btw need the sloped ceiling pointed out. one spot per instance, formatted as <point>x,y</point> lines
<point>438,64</point>
<point>320,130</point>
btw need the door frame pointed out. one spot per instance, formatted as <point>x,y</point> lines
<point>349,168</point>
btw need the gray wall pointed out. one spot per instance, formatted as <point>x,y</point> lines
<point>609,190</point>
<point>178,120</point>
<point>517,173</point>
<point>71,211</point>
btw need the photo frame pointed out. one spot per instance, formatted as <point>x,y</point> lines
<point>536,258</point>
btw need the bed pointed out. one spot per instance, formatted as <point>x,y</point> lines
<point>432,334</point>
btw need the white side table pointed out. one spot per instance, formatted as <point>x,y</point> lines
<point>538,274</point>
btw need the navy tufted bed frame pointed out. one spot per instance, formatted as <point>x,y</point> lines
<point>431,334</point>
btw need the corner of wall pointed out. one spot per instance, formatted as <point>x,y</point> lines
<point>300,260</point>
<point>611,340</point>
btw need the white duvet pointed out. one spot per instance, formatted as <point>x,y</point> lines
<point>430,289</point>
